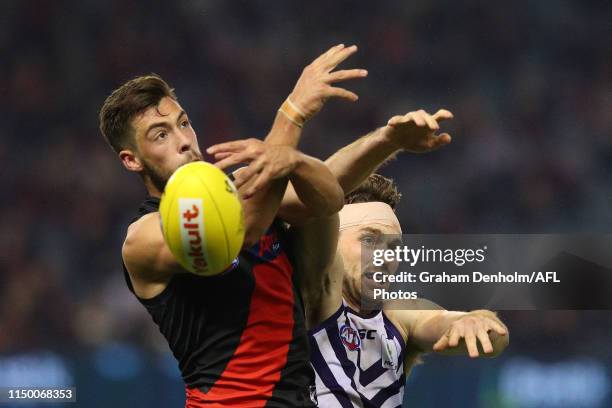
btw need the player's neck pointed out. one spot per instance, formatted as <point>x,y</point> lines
<point>352,303</point>
<point>152,190</point>
<point>355,304</point>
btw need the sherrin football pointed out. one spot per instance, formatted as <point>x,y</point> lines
<point>202,219</point>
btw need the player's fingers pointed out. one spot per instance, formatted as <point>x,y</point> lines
<point>222,155</point>
<point>396,120</point>
<point>443,114</point>
<point>336,58</point>
<point>470,342</point>
<point>248,173</point>
<point>442,343</point>
<point>335,92</point>
<point>244,177</point>
<point>453,340</point>
<point>418,119</point>
<point>437,142</point>
<point>444,139</point>
<point>499,329</point>
<point>233,146</point>
<point>431,122</point>
<point>260,182</point>
<point>321,58</point>
<point>483,337</point>
<point>235,158</point>
<point>346,74</point>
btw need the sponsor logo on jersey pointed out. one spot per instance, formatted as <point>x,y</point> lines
<point>350,337</point>
<point>367,334</point>
<point>192,232</point>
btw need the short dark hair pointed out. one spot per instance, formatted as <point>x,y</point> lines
<point>130,99</point>
<point>375,188</point>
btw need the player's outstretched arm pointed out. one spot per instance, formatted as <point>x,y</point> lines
<point>476,333</point>
<point>315,86</point>
<point>304,199</point>
<point>415,132</point>
<point>315,191</point>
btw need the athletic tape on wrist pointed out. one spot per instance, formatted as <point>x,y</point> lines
<point>293,113</point>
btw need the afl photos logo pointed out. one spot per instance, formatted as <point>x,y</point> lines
<point>350,337</point>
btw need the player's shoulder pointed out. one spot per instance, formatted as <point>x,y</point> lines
<point>141,227</point>
<point>399,319</point>
<point>146,256</point>
<point>146,219</point>
<point>140,238</point>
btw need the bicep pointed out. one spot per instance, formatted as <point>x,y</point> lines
<point>146,254</point>
<point>418,319</point>
<point>317,242</point>
<point>260,210</point>
<point>320,268</point>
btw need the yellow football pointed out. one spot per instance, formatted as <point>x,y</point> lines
<point>201,217</point>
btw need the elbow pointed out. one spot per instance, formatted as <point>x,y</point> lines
<point>253,231</point>
<point>338,201</point>
<point>251,237</point>
<point>334,202</point>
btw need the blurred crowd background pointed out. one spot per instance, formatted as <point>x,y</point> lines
<point>530,84</point>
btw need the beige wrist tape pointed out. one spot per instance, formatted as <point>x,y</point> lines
<point>293,113</point>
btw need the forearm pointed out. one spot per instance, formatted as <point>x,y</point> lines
<point>313,192</point>
<point>353,164</point>
<point>432,326</point>
<point>283,132</point>
<point>430,330</point>
<point>261,209</point>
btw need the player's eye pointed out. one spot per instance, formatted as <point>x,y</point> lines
<point>369,240</point>
<point>162,135</point>
<point>185,123</point>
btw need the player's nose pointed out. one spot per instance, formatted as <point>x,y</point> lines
<point>185,143</point>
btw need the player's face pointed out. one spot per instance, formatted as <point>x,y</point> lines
<point>359,269</point>
<point>165,141</point>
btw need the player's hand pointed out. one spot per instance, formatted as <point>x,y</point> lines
<point>315,85</point>
<point>472,329</point>
<point>416,132</point>
<point>265,162</point>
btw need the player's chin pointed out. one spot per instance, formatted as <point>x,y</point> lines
<point>370,289</point>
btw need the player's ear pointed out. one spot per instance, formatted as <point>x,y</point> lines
<point>130,160</point>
